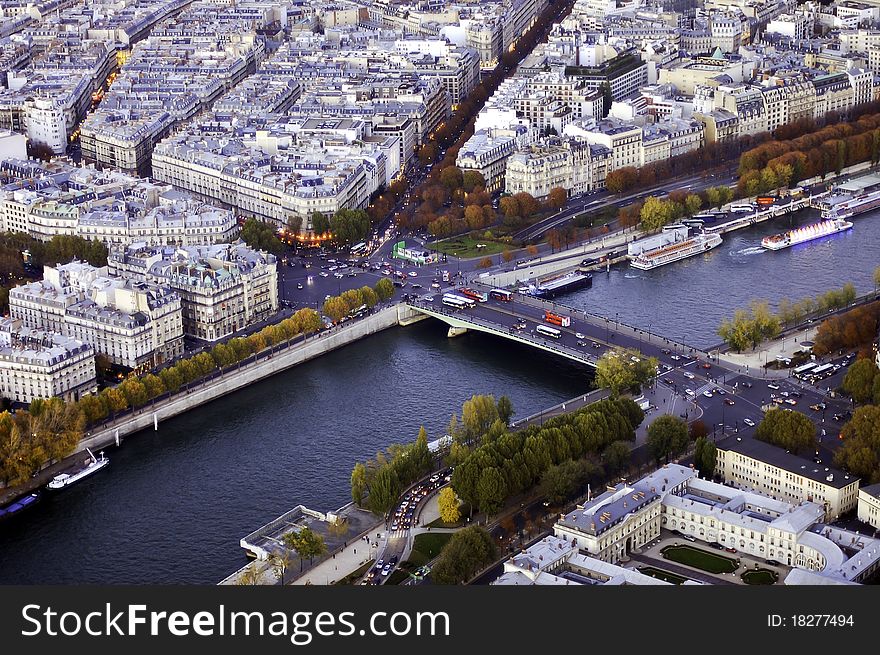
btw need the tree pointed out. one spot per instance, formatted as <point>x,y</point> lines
<point>485,262</point>
<point>428,153</point>
<point>335,308</point>
<point>860,379</point>
<point>505,409</point>
<point>787,429</point>
<point>384,491</point>
<point>305,543</point>
<point>705,456</point>
<point>491,490</point>
<point>667,437</point>
<point>452,178</point>
<point>320,223</point>
<point>280,562</point>
<point>466,553</point>
<point>622,179</point>
<point>507,256</point>
<point>384,289</point>
<point>294,224</point>
<point>557,197</point>
<point>250,577</point>
<point>860,452</point>
<point>350,225</point>
<point>261,236</point>
<point>358,483</point>
<point>616,456</point>
<point>368,297</point>
<point>477,414</point>
<point>622,368</point>
<point>472,179</point>
<point>560,482</point>
<point>449,506</point>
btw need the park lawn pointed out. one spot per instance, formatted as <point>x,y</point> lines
<point>662,575</point>
<point>427,546</point>
<point>700,559</point>
<point>352,577</point>
<point>760,576</point>
<point>466,248</point>
<point>398,576</point>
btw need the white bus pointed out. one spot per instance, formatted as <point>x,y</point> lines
<point>468,302</point>
<point>800,370</point>
<point>822,371</point>
<point>548,331</point>
<point>358,248</point>
<point>742,209</point>
<point>454,302</point>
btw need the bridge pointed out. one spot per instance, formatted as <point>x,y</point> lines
<point>584,341</point>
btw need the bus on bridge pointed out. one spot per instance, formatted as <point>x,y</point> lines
<point>557,319</point>
<point>479,296</point>
<point>460,302</point>
<point>501,294</point>
<point>548,331</point>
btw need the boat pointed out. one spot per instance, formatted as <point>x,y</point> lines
<point>853,206</point>
<point>88,466</point>
<point>552,287</point>
<point>804,234</point>
<point>19,505</point>
<point>675,251</point>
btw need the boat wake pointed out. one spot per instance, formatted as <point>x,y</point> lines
<point>755,250</point>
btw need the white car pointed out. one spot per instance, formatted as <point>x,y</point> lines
<point>324,274</point>
<point>689,375</point>
<point>773,386</point>
<point>413,274</point>
<point>708,394</point>
<point>690,392</point>
<point>580,335</point>
<point>749,422</point>
<point>338,274</point>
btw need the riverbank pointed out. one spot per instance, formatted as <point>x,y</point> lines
<point>263,365</point>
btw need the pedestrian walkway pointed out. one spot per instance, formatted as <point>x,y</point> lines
<point>753,363</point>
<point>344,562</point>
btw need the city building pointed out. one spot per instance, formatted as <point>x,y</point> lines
<point>222,288</point>
<point>869,505</point>
<point>133,323</point>
<point>39,364</point>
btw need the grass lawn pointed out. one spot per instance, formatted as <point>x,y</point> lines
<point>353,577</point>
<point>760,576</point>
<point>700,559</point>
<point>427,546</point>
<point>397,576</point>
<point>438,523</point>
<point>466,248</point>
<point>662,575</point>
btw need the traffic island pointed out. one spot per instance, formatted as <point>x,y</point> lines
<point>700,559</point>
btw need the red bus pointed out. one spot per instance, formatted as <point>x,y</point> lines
<point>765,200</point>
<point>557,319</point>
<point>474,295</point>
<point>501,294</point>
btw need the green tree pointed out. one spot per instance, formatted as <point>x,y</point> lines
<point>616,456</point>
<point>171,378</point>
<point>667,437</point>
<point>560,482</point>
<point>860,379</point>
<point>787,429</point>
<point>358,483</point>
<point>623,368</point>
<point>134,391</point>
<point>505,409</point>
<point>368,297</point>
<point>384,289</point>
<point>280,563</point>
<point>657,212</point>
<point>320,223</point>
<point>705,457</point>
<point>452,178</point>
<point>491,490</point>
<point>350,225</point>
<point>472,179</point>
<point>450,507</point>
<point>261,236</point>
<point>420,455</point>
<point>464,555</point>
<point>384,491</point>
<point>294,224</point>
<point>860,452</point>
<point>477,415</point>
<point>305,543</point>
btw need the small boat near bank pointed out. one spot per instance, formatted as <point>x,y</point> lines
<point>89,466</point>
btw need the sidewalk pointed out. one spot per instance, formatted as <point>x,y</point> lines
<point>752,363</point>
<point>343,562</point>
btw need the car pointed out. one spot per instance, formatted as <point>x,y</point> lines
<point>775,387</point>
<point>332,268</point>
<point>580,335</point>
<point>689,538</point>
<point>716,545</point>
<point>417,286</point>
<point>818,407</point>
<point>386,569</point>
<point>749,422</point>
<point>435,285</point>
<point>773,562</point>
<point>791,401</point>
<point>817,460</point>
<point>666,351</point>
<point>729,401</point>
<point>299,285</point>
<point>689,375</point>
<point>338,274</point>
<point>393,560</point>
<point>324,274</point>
<point>429,298</point>
<point>675,358</point>
<point>706,365</point>
<point>669,380</point>
<point>690,392</point>
<point>595,344</point>
<point>677,533</point>
<point>583,344</point>
<point>747,385</point>
<point>380,563</point>
<point>707,393</point>
<point>730,549</point>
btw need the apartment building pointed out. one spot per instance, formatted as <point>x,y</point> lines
<point>39,364</point>
<point>488,149</point>
<point>223,288</point>
<point>570,163</point>
<point>869,505</point>
<point>769,470</point>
